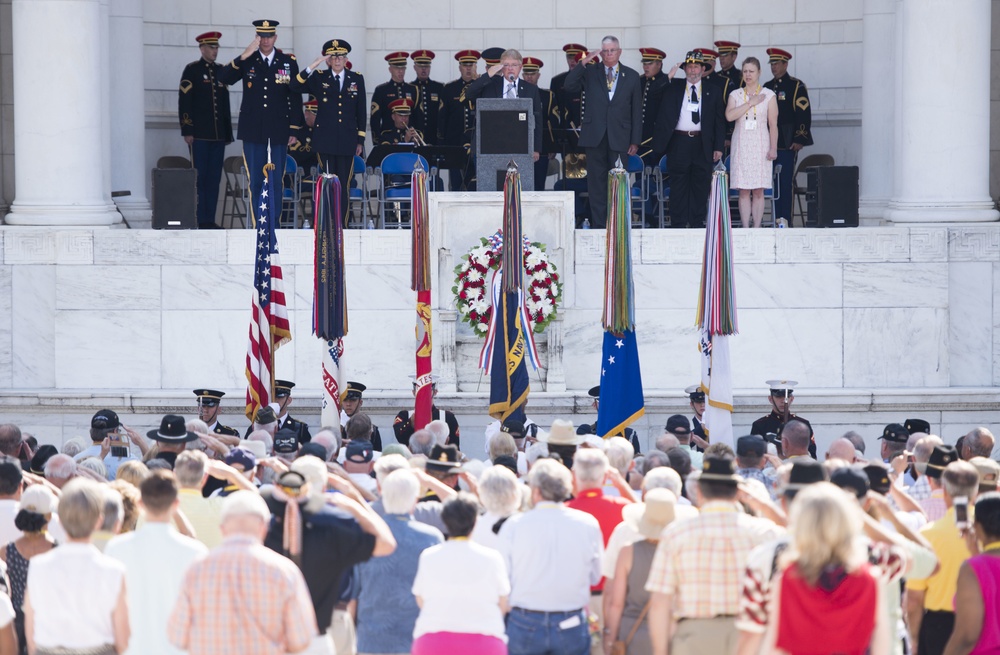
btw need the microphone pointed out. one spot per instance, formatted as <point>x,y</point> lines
<point>511,77</point>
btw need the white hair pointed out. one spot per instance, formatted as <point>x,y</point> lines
<point>60,466</point>
<point>620,453</point>
<point>73,447</point>
<point>590,466</point>
<point>244,503</point>
<point>440,430</point>
<point>552,480</point>
<point>196,425</point>
<point>113,511</point>
<point>663,477</point>
<point>330,441</point>
<point>264,437</point>
<point>95,465</point>
<point>313,469</point>
<point>536,451</point>
<point>386,464</point>
<point>400,490</point>
<point>500,491</point>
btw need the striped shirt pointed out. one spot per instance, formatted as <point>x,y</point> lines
<point>700,561</point>
<point>934,506</point>
<point>243,598</point>
<point>920,490</point>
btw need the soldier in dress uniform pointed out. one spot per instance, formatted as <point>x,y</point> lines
<point>283,397</point>
<point>428,109</point>
<point>794,125</point>
<point>270,112</point>
<point>304,150</point>
<point>457,120</point>
<point>780,399</point>
<point>530,71</point>
<point>591,428</point>
<point>339,130</point>
<point>728,51</point>
<point>209,408</point>
<point>654,81</point>
<point>708,57</point>
<point>696,396</point>
<point>402,425</point>
<point>400,131</point>
<point>351,401</point>
<point>206,123</point>
<point>394,89</point>
<point>570,104</point>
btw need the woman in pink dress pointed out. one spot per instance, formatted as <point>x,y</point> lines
<point>977,597</point>
<point>755,141</point>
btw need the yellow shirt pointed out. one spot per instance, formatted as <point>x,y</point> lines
<point>951,552</point>
<point>203,513</point>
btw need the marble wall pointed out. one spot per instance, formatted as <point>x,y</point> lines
<point>900,318</point>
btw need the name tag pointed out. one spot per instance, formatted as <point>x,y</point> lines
<point>693,106</point>
<point>750,124</point>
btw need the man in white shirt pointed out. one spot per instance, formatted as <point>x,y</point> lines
<point>10,497</point>
<point>156,558</point>
<point>553,555</point>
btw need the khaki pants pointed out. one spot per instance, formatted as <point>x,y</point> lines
<point>345,640</point>
<point>597,609</point>
<point>704,636</point>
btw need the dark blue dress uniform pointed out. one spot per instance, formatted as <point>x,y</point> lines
<point>652,94</point>
<point>457,120</point>
<point>551,122</point>
<point>794,126</point>
<point>735,73</point>
<point>570,104</point>
<point>270,111</point>
<point>428,110</point>
<point>388,91</point>
<point>203,111</point>
<point>304,150</point>
<point>340,117</point>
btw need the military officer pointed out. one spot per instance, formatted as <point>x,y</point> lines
<point>209,409</point>
<point>339,130</point>
<point>708,57</point>
<point>654,81</point>
<point>403,428</point>
<point>530,72</point>
<point>428,110</point>
<point>696,396</point>
<point>728,50</point>
<point>270,112</point>
<point>794,125</point>
<point>570,104</point>
<point>283,397</point>
<point>780,399</point>
<point>351,402</point>
<point>400,131</point>
<point>394,89</point>
<point>457,120</point>
<point>630,434</point>
<point>304,151</point>
<point>206,123</point>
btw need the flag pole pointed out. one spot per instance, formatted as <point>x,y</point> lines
<point>329,292</point>
<point>420,282</point>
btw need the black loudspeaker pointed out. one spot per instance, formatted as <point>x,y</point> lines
<point>175,199</point>
<point>832,196</point>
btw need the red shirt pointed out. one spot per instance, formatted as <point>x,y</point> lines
<point>606,509</point>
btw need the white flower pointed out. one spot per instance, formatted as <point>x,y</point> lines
<point>481,327</point>
<point>481,306</point>
<point>547,309</point>
<point>540,275</point>
<point>475,276</point>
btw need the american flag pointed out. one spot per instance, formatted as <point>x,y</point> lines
<point>269,326</point>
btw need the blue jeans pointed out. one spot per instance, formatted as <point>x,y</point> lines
<point>255,155</point>
<point>539,633</point>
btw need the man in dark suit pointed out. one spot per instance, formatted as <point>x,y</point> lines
<point>691,130</point>
<point>339,130</point>
<point>270,112</point>
<point>612,119</point>
<point>206,123</point>
<point>501,81</point>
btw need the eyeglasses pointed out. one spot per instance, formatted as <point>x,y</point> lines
<point>610,52</point>
<point>338,56</point>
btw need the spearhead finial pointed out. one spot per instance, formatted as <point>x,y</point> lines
<point>511,166</point>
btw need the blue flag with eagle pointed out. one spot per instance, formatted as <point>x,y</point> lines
<point>621,401</point>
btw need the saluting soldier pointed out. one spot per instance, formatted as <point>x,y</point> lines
<point>283,396</point>
<point>780,398</point>
<point>457,121</point>
<point>339,130</point>
<point>209,408</point>
<point>303,151</point>
<point>531,71</point>
<point>794,125</point>
<point>428,110</point>
<point>654,81</point>
<point>394,89</point>
<point>728,51</point>
<point>270,112</point>
<point>206,123</point>
<point>570,104</point>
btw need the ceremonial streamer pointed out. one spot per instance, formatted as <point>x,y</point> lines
<point>420,281</point>
<point>329,291</point>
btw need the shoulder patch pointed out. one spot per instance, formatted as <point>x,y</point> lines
<point>292,57</point>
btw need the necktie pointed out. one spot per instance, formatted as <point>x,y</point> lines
<point>611,78</point>
<point>510,90</point>
<point>336,78</point>
<point>695,118</point>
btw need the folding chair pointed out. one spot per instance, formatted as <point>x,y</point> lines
<point>234,203</point>
<point>393,177</point>
<point>662,189</point>
<point>639,188</point>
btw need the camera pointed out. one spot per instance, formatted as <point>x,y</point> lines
<point>961,504</point>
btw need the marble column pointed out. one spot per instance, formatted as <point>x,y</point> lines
<point>678,25</point>
<point>878,104</point>
<point>942,167</point>
<point>6,111</point>
<point>318,22</point>
<point>60,174</point>
<point>128,113</point>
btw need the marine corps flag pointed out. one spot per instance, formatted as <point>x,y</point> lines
<point>506,349</point>
<point>621,381</point>
<point>420,281</point>
<point>329,292</point>
<point>717,315</point>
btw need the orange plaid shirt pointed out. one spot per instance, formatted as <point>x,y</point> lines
<point>243,598</point>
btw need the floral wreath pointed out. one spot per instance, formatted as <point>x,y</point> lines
<point>542,288</point>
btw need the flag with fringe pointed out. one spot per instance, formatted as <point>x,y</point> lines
<point>716,317</point>
<point>329,292</point>
<point>269,327</point>
<point>621,399</point>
